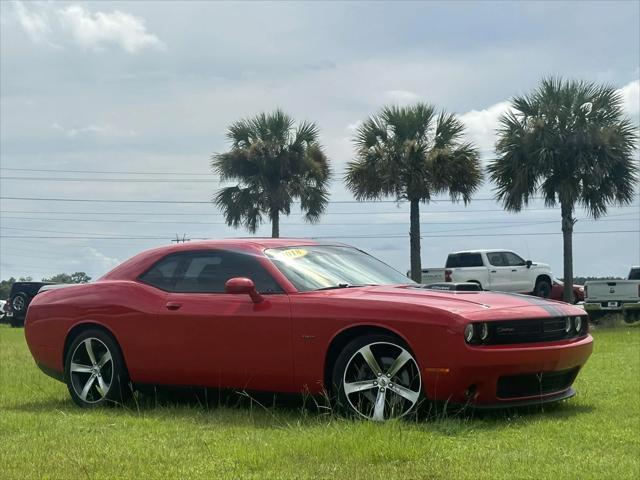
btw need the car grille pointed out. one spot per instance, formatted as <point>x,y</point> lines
<point>528,331</point>
<point>535,384</point>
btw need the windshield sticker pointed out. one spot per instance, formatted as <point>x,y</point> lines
<point>293,253</point>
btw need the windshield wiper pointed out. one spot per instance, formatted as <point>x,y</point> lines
<point>343,285</point>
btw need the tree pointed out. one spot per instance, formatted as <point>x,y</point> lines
<point>413,153</point>
<point>77,277</point>
<point>569,142</point>
<point>274,163</point>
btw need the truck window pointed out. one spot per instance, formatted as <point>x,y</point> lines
<point>634,274</point>
<point>514,260</point>
<point>497,259</point>
<point>459,260</point>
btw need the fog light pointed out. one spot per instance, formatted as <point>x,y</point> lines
<point>484,333</point>
<point>469,332</point>
<point>567,325</point>
<point>578,324</point>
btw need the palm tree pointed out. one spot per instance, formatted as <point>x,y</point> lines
<point>274,163</point>
<point>412,153</point>
<point>569,142</point>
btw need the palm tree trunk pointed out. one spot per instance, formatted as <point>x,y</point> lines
<point>275,223</point>
<point>567,237</point>
<point>414,241</point>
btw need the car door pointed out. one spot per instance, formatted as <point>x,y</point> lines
<point>499,272</point>
<point>208,337</point>
<point>520,274</point>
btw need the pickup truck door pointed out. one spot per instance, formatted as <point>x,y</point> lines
<point>499,272</point>
<point>520,275</point>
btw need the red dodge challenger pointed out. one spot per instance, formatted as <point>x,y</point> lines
<point>289,315</point>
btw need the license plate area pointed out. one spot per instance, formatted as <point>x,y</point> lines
<point>612,304</point>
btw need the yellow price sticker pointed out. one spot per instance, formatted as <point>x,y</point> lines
<point>294,253</point>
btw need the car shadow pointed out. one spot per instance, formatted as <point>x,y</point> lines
<point>268,410</point>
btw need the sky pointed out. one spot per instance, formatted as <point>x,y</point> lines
<point>125,102</point>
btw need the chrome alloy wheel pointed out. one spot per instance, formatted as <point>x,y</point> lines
<point>382,381</point>
<point>91,370</point>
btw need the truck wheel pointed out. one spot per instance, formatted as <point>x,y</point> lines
<point>16,322</point>
<point>542,289</point>
<point>19,303</point>
<point>594,317</point>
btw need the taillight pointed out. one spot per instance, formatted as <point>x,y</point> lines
<point>585,291</point>
<point>447,275</point>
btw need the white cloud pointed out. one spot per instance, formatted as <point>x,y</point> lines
<point>631,97</point>
<point>481,125</point>
<point>102,130</point>
<point>77,24</point>
<point>98,260</point>
<point>402,97</point>
<point>35,24</point>
<point>99,29</point>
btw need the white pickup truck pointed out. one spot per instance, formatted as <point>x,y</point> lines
<point>501,270</point>
<point>614,296</point>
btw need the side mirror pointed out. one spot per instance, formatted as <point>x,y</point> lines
<point>241,285</point>
<point>529,263</point>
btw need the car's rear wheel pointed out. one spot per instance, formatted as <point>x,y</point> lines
<point>543,288</point>
<point>94,370</point>
<point>377,377</point>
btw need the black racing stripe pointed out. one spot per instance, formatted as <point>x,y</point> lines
<point>548,307</point>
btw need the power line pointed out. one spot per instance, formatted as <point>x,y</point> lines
<point>320,224</point>
<point>327,237</point>
<point>109,172</point>
<point>198,202</point>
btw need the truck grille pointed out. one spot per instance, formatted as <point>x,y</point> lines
<point>535,384</point>
<point>530,331</point>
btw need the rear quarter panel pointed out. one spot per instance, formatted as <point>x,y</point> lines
<point>114,305</point>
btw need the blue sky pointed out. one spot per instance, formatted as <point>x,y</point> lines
<point>151,87</point>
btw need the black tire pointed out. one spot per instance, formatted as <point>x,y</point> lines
<point>543,288</point>
<point>16,322</point>
<point>407,377</point>
<point>596,316</point>
<point>477,283</point>
<point>19,304</point>
<point>112,374</point>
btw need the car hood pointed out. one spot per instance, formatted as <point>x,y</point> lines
<point>474,305</point>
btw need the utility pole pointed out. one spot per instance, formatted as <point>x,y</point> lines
<point>181,240</point>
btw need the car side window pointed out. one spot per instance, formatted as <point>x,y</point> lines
<point>208,271</point>
<point>496,259</point>
<point>162,274</point>
<point>514,260</point>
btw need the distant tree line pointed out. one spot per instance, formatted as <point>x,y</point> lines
<point>76,277</point>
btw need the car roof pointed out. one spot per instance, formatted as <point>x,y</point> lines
<point>134,265</point>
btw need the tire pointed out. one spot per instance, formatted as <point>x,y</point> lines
<point>376,388</point>
<point>594,317</point>
<point>16,322</point>
<point>477,283</point>
<point>19,304</point>
<point>94,370</point>
<point>542,288</point>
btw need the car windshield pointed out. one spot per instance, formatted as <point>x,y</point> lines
<point>318,267</point>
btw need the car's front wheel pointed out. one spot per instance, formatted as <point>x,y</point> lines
<point>94,370</point>
<point>377,377</point>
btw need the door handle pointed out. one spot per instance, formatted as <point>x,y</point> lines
<point>514,270</point>
<point>494,271</point>
<point>173,305</point>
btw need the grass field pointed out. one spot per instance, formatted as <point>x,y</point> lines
<point>595,435</point>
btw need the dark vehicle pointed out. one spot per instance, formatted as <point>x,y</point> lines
<point>19,299</point>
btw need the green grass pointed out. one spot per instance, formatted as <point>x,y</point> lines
<point>594,435</point>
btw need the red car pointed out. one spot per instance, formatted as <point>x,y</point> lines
<point>298,316</point>
<point>557,291</point>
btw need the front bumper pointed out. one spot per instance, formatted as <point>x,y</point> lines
<point>473,376</point>
<point>620,307</point>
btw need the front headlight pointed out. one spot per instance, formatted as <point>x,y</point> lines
<point>468,333</point>
<point>484,332</point>
<point>578,322</point>
<point>567,325</point>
